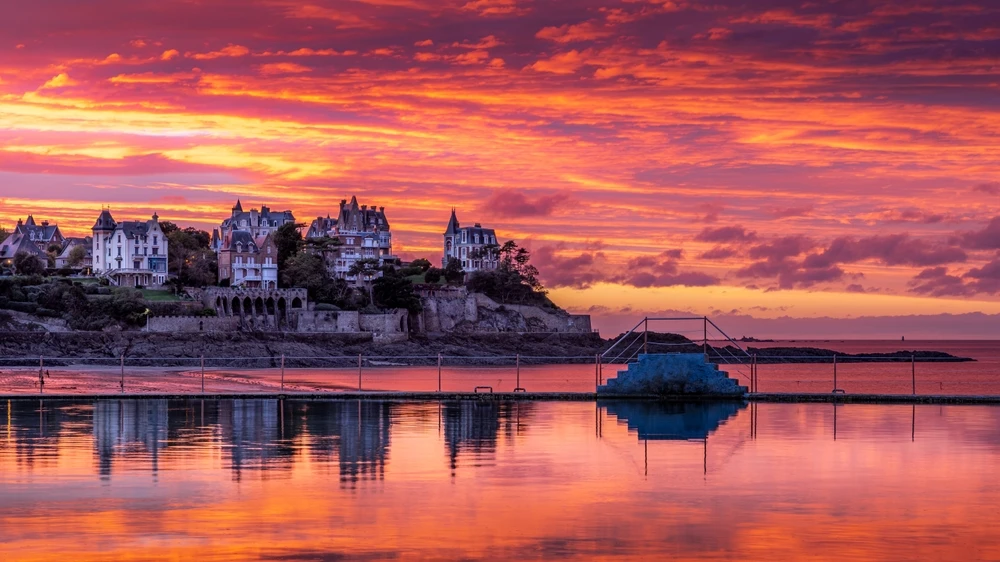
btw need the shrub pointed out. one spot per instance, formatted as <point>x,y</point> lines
<point>433,275</point>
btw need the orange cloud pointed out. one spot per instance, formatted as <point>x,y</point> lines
<point>228,51</point>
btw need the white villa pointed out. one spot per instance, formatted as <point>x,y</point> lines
<point>129,253</point>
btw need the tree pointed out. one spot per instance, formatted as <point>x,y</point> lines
<point>28,264</point>
<point>306,271</point>
<point>288,240</point>
<point>433,275</point>
<point>76,256</point>
<point>168,227</point>
<point>517,259</point>
<point>395,291</point>
<point>365,270</point>
<point>422,263</point>
<point>453,272</point>
<point>190,257</point>
<point>3,234</point>
<point>51,253</point>
<point>514,281</point>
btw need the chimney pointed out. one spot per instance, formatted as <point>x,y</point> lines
<point>478,225</point>
<point>364,207</point>
<point>45,223</point>
<point>381,209</point>
<point>343,202</point>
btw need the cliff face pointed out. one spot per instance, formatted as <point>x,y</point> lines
<point>457,310</point>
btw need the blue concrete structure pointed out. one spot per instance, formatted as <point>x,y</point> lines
<point>672,374</point>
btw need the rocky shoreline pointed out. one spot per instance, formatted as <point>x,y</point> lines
<point>263,349</point>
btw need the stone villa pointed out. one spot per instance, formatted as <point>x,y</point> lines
<point>245,245</point>
<point>363,233</point>
<point>474,247</point>
<point>30,238</point>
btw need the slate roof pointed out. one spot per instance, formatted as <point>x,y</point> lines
<point>105,221</point>
<point>35,232</point>
<point>265,214</point>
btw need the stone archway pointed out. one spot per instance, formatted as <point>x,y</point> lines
<point>236,309</point>
<point>296,303</point>
<point>282,312</point>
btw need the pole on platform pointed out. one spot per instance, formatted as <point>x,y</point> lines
<point>913,372</point>
<point>597,371</point>
<point>41,374</point>
<point>753,373</point>
<point>203,373</point>
<point>645,336</point>
<point>282,371</point>
<point>122,383</point>
<point>439,372</point>
<point>704,341</point>
<point>359,372</point>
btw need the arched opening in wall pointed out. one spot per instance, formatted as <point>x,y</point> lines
<point>402,324</point>
<point>218,303</point>
<point>247,306</point>
<point>296,303</point>
<point>259,306</point>
<point>236,307</point>
<point>282,311</point>
<point>269,305</point>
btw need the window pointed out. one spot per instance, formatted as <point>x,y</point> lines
<point>119,251</point>
<point>155,240</point>
<point>477,239</point>
<point>119,238</point>
<point>465,237</point>
<point>156,251</point>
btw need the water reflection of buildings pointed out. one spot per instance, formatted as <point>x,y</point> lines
<point>127,428</point>
<point>357,431</point>
<point>254,434</point>
<point>472,427</point>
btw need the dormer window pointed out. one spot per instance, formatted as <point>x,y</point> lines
<point>239,247</point>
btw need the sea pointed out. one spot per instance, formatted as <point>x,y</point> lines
<point>269,479</point>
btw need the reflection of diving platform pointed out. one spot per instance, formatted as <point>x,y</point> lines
<point>671,420</point>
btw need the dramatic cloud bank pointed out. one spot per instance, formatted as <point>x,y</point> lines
<point>840,149</point>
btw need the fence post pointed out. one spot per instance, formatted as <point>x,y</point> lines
<point>913,372</point>
<point>122,383</point>
<point>203,373</point>
<point>753,373</point>
<point>834,371</point>
<point>517,364</point>
<point>282,371</point>
<point>439,372</point>
<point>41,374</point>
<point>359,372</point>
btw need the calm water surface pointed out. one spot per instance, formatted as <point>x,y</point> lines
<point>326,480</point>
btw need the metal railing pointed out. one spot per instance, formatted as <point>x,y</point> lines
<point>627,347</point>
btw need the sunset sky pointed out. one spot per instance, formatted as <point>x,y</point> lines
<point>785,160</point>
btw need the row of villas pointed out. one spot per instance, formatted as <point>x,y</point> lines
<point>134,253</point>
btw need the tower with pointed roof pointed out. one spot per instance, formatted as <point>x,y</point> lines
<point>129,253</point>
<point>362,231</point>
<point>473,246</point>
<point>245,246</point>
